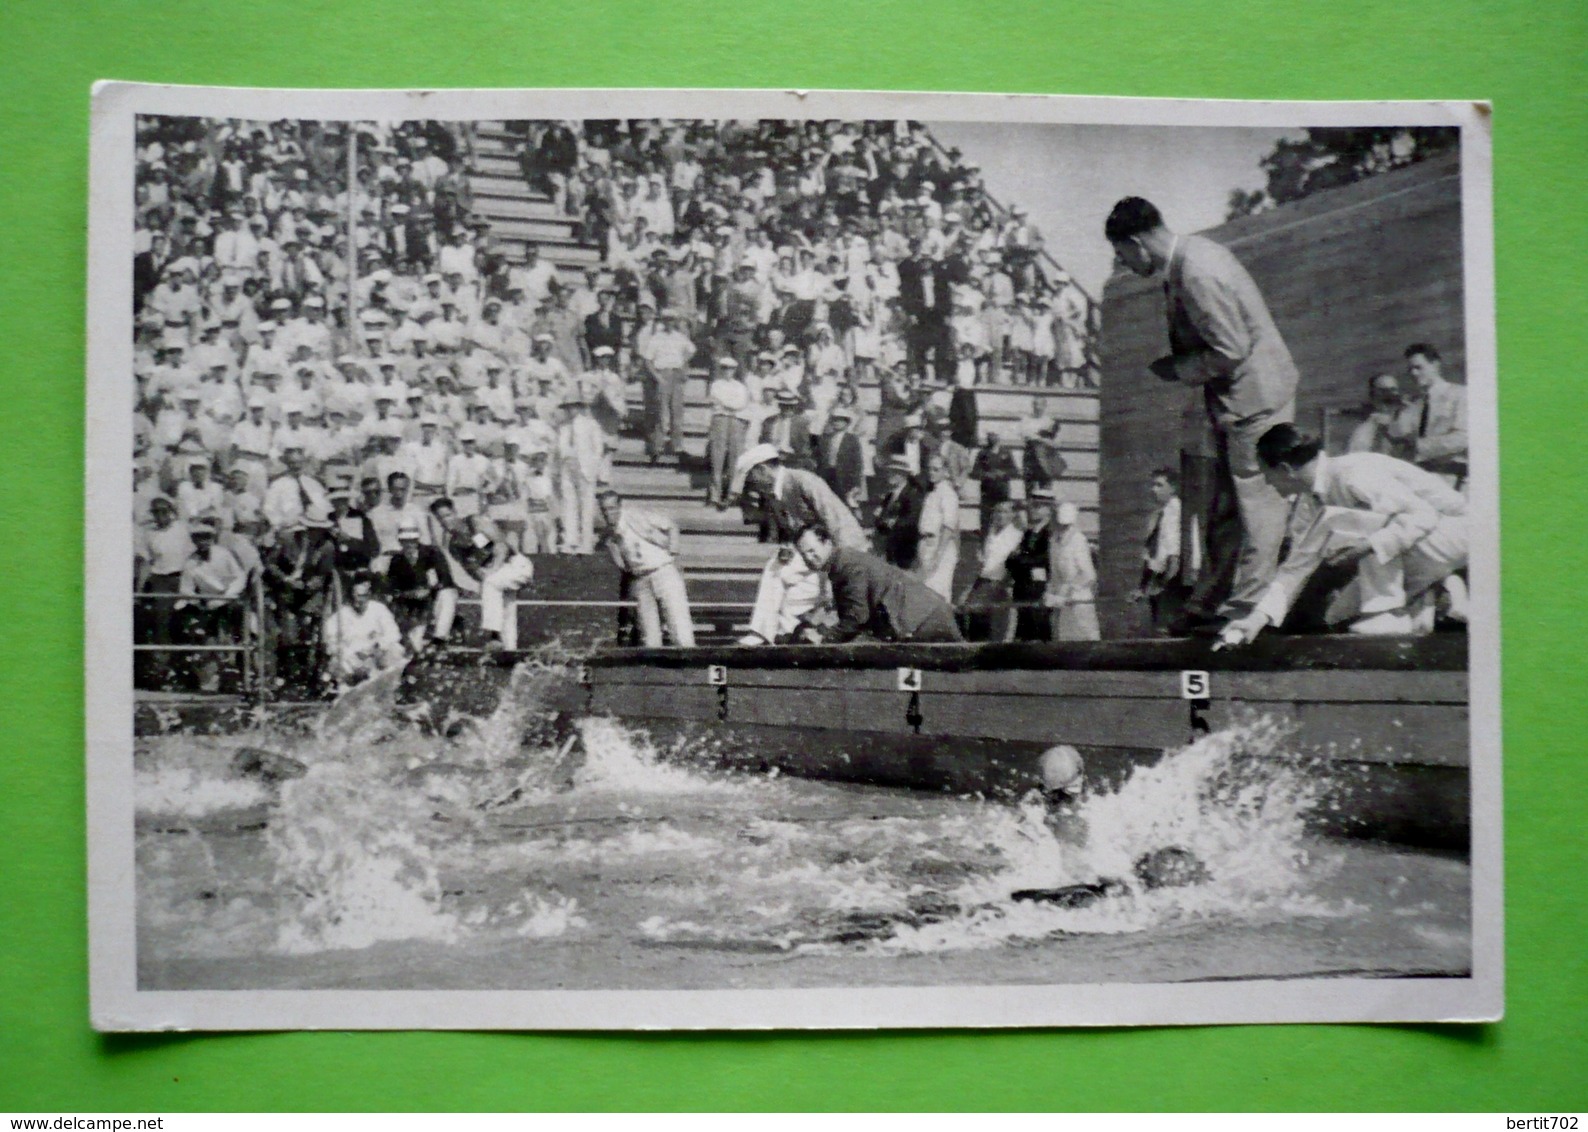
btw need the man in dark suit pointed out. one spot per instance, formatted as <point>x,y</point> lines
<point>925,296</point>
<point>898,524</point>
<point>790,433</point>
<point>872,596</point>
<point>604,327</point>
<point>147,268</point>
<point>839,459</point>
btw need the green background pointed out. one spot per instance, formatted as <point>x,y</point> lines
<point>1531,59</point>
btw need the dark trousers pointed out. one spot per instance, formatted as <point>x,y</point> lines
<point>934,339</point>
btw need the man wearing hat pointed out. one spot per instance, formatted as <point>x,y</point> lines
<point>160,551</point>
<point>907,445</point>
<point>608,400</point>
<point>1030,568</point>
<point>790,432</point>
<point>309,330</point>
<point>468,474</point>
<point>253,442</point>
<point>604,327</point>
<point>644,545</point>
<point>354,542</point>
<point>424,599</point>
<point>790,499</point>
<point>581,459</point>
<point>839,457</point>
<point>205,615</point>
<point>428,456</point>
<point>198,494</point>
<point>543,375</point>
<point>897,527</point>
<point>1072,579</point>
<point>730,403</point>
<point>741,315</point>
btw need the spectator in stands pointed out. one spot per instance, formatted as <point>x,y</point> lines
<point>1072,579</point>
<point>898,519</point>
<point>840,459</point>
<point>1437,421</point>
<point>987,616</point>
<point>1223,339</point>
<point>1381,429</point>
<point>362,637</point>
<point>790,432</point>
<point>994,468</point>
<point>424,599</point>
<point>1161,585</point>
<point>581,452</point>
<point>645,546</point>
<point>667,354</point>
<point>871,596</point>
<point>299,582</point>
<point>481,562</point>
<point>206,613</point>
<point>937,546</point>
<point>1029,566</point>
<point>730,410</point>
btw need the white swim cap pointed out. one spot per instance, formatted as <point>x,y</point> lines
<point>1063,769</point>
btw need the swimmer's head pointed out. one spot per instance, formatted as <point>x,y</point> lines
<point>1170,867</point>
<point>1063,774</point>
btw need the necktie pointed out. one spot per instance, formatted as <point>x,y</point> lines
<point>1422,423</point>
<point>303,494</point>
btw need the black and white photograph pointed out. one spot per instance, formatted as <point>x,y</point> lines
<point>745,559</point>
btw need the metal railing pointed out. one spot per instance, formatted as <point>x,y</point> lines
<point>250,647</point>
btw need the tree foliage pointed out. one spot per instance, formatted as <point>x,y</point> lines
<point>1326,158</point>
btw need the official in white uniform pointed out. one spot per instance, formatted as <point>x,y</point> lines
<point>1403,527</point>
<point>645,545</point>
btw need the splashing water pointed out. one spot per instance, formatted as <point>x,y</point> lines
<point>626,861</point>
<point>1236,799</point>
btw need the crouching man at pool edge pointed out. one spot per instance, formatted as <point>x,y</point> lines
<point>1404,529</point>
<point>872,596</point>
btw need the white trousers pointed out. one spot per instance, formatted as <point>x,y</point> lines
<point>510,575</point>
<point>788,591</point>
<point>578,512</point>
<point>1380,587</point>
<point>661,594</point>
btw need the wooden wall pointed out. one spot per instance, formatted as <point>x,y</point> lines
<point>1352,276</point>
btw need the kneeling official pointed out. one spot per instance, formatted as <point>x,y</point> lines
<point>873,596</point>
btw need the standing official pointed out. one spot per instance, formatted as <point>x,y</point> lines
<point>645,545</point>
<point>1222,339</point>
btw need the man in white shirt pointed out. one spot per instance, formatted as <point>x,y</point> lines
<point>581,452</point>
<point>533,276</point>
<point>198,494</point>
<point>1405,530</point>
<point>667,354</point>
<point>362,637</point>
<point>429,457</point>
<point>468,475</point>
<point>644,545</point>
<point>295,496</point>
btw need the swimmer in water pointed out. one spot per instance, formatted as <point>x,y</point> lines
<point>1063,791</point>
